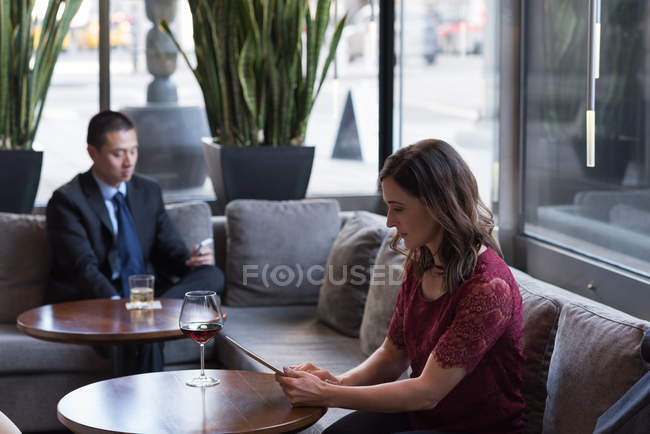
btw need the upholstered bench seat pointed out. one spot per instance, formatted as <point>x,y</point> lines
<point>24,354</point>
<point>287,335</point>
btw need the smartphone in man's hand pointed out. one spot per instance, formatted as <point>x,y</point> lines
<point>202,245</point>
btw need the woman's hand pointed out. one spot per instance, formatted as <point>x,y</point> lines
<point>303,389</point>
<point>321,373</point>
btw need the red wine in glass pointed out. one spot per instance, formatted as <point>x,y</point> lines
<point>201,319</point>
<point>202,332</point>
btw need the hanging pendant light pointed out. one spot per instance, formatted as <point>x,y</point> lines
<point>593,72</point>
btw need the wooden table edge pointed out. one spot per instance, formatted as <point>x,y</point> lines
<point>96,339</point>
<point>300,424</point>
<point>78,428</point>
<point>91,338</point>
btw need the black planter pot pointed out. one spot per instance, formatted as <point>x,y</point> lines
<point>20,173</point>
<point>261,172</point>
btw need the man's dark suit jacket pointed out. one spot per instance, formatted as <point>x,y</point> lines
<point>85,251</point>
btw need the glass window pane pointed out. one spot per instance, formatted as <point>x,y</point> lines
<point>72,98</point>
<point>344,121</point>
<point>167,108</point>
<point>604,211</point>
<point>447,77</point>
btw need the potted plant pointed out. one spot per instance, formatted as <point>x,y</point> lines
<point>26,69</point>
<point>258,68</point>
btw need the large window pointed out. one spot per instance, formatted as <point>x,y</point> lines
<point>445,88</point>
<point>446,81</point>
<point>343,124</point>
<point>601,212</point>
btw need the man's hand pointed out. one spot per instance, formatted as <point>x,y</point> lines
<point>196,259</point>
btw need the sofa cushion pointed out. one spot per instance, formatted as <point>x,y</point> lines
<point>595,361</point>
<point>385,284</point>
<point>25,354</point>
<point>645,347</point>
<point>630,217</point>
<point>347,277</point>
<point>631,413</point>
<point>277,250</point>
<point>192,221</point>
<point>219,234</point>
<point>24,264</point>
<point>541,314</point>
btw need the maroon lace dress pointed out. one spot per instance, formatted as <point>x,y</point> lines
<point>479,327</point>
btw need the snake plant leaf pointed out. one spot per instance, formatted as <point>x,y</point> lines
<point>247,75</point>
<point>52,36</point>
<point>321,19</point>
<point>5,41</point>
<point>257,68</point>
<point>249,20</point>
<point>27,65</point>
<point>163,26</point>
<point>336,37</point>
<point>312,58</point>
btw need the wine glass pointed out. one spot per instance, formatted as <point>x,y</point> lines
<point>201,319</point>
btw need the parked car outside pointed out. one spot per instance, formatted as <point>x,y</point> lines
<point>461,28</point>
<point>420,31</point>
<point>87,36</point>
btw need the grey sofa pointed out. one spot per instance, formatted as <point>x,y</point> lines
<point>581,356</point>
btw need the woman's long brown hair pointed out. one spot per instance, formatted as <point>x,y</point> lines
<point>435,173</point>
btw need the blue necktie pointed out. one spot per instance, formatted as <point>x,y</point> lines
<point>131,261</point>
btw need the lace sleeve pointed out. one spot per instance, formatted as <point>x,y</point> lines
<point>482,316</point>
<point>396,327</point>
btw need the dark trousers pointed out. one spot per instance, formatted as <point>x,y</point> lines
<point>141,358</point>
<point>376,423</point>
<point>204,278</point>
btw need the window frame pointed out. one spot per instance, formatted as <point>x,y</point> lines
<point>593,278</point>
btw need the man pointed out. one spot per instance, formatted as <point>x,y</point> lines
<point>109,223</point>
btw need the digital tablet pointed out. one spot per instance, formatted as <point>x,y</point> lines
<point>254,356</point>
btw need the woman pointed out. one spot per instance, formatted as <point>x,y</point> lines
<point>457,321</point>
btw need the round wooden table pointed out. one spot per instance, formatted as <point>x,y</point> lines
<point>160,402</point>
<point>102,321</point>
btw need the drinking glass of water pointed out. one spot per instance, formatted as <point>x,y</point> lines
<point>201,319</point>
